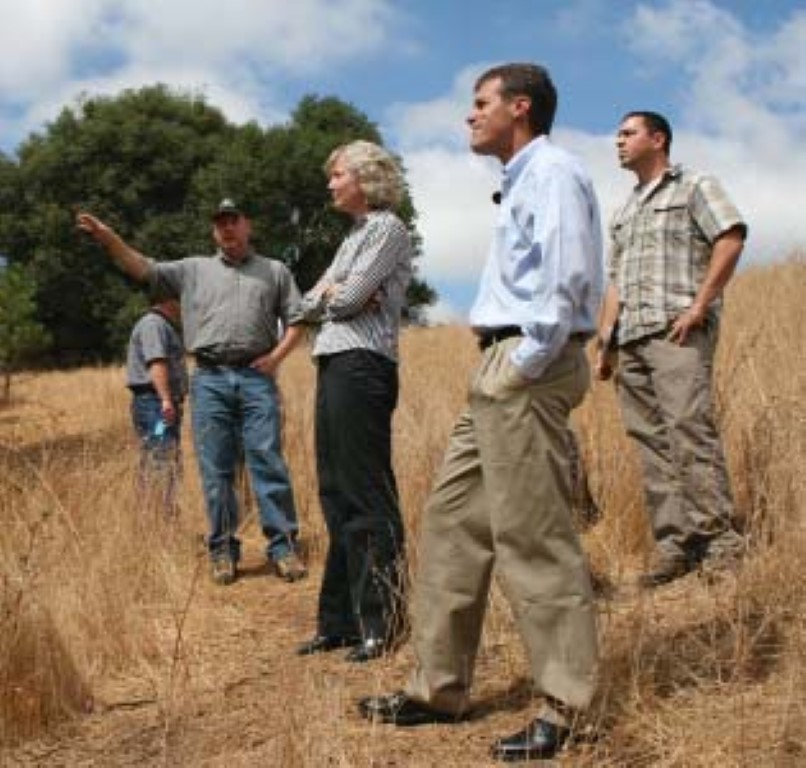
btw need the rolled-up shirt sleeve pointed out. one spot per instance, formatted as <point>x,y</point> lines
<point>166,278</point>
<point>290,310</point>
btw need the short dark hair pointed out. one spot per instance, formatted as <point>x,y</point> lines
<point>656,123</point>
<point>528,80</point>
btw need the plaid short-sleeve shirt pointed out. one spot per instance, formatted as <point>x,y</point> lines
<point>661,241</point>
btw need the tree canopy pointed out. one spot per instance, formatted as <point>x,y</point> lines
<point>153,163</point>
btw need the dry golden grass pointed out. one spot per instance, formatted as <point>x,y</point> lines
<point>116,650</point>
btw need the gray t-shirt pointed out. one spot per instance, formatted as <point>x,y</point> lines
<point>154,338</point>
<point>232,310</point>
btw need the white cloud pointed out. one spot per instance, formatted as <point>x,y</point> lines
<point>786,54</point>
<point>744,110</point>
<point>248,36</point>
<point>440,122</point>
<point>239,53</point>
<point>36,39</point>
<point>451,191</point>
<point>239,105</point>
<point>676,30</point>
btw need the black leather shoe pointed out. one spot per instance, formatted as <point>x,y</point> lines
<point>540,739</point>
<point>398,709</point>
<point>367,650</point>
<point>325,643</point>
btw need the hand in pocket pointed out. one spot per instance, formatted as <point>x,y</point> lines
<point>512,378</point>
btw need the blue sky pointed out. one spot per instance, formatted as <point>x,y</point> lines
<point>731,76</point>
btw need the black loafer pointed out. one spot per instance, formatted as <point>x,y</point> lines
<point>540,739</point>
<point>325,643</point>
<point>398,709</point>
<point>367,650</point>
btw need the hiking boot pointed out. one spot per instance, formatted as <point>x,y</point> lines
<point>664,570</point>
<point>723,555</point>
<point>720,564</point>
<point>222,571</point>
<point>290,568</point>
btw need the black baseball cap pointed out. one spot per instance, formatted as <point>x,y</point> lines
<point>227,207</point>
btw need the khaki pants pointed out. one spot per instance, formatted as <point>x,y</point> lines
<point>665,394</point>
<point>503,499</point>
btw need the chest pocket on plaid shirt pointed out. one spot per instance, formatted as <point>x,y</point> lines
<point>672,221</point>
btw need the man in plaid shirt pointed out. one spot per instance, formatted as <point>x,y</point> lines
<point>673,247</point>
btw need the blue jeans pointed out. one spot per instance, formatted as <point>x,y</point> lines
<point>236,414</point>
<point>159,448</point>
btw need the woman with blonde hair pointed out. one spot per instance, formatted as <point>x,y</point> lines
<point>356,309</point>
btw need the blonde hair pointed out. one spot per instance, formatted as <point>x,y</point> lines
<point>378,173</point>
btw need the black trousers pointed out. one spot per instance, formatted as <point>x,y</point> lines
<point>361,593</point>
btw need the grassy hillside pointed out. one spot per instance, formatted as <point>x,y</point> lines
<point>115,649</point>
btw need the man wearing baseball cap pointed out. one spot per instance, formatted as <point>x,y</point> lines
<point>240,315</point>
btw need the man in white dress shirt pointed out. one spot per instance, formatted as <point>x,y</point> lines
<point>503,495</point>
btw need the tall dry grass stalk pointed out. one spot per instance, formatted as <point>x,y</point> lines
<point>108,614</point>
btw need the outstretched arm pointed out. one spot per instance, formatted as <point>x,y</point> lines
<point>132,262</point>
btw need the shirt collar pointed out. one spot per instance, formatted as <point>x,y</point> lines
<point>226,262</point>
<point>669,174</point>
<point>673,171</point>
<point>519,161</point>
<point>359,221</point>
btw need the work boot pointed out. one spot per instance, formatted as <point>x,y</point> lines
<point>664,569</point>
<point>289,567</point>
<point>222,571</point>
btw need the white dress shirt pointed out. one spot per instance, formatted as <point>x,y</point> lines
<point>545,269</point>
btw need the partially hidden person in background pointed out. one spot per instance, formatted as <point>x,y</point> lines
<point>157,376</point>
<point>356,310</point>
<point>502,498</point>
<point>674,245</point>
<point>240,315</point>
